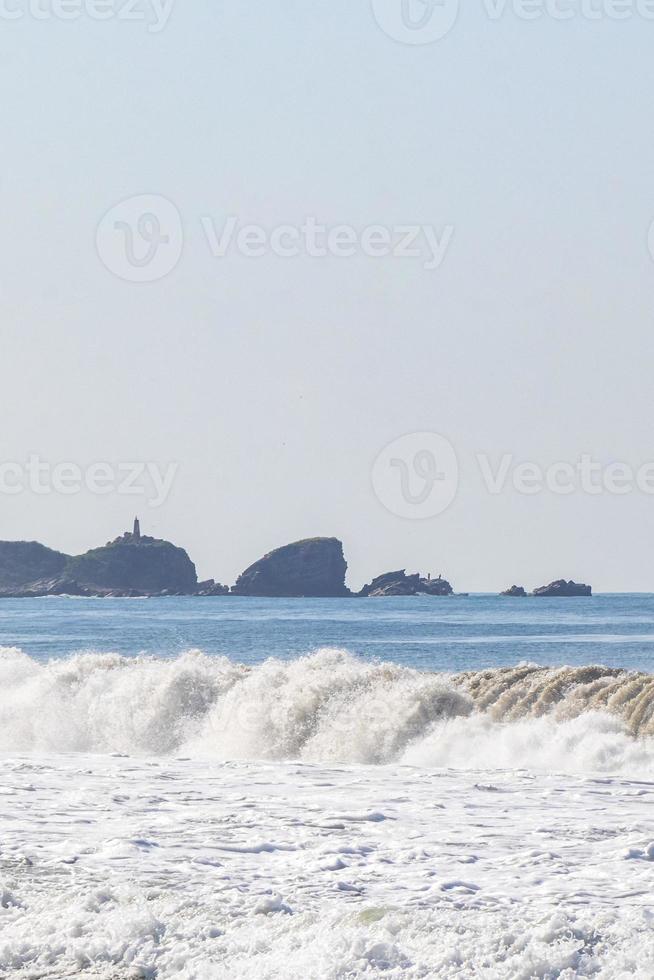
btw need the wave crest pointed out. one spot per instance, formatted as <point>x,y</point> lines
<point>529,691</point>
<point>328,707</point>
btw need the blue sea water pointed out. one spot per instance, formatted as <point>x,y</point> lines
<point>457,633</point>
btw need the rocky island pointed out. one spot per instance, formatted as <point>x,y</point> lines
<point>399,583</point>
<point>515,592</point>
<point>22,562</point>
<point>135,565</point>
<point>312,568</point>
<point>132,565</point>
<point>563,589</point>
<point>558,589</point>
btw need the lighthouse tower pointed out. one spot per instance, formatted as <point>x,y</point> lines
<point>137,528</point>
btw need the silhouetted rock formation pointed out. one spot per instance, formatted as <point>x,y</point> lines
<point>399,583</point>
<point>133,565</point>
<point>136,564</point>
<point>211,588</point>
<point>515,592</point>
<point>46,587</point>
<point>22,562</point>
<point>312,568</point>
<point>561,588</point>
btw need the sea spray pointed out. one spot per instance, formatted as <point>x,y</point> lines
<point>329,706</point>
<point>529,691</point>
<point>107,703</point>
<point>594,742</point>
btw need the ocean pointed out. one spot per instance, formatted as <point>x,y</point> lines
<point>398,788</point>
<point>445,634</point>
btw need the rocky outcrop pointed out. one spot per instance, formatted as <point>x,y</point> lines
<point>23,562</point>
<point>131,566</point>
<point>563,589</point>
<point>67,587</point>
<point>515,592</point>
<point>399,583</point>
<point>134,565</point>
<point>312,568</point>
<point>211,588</point>
<point>46,587</point>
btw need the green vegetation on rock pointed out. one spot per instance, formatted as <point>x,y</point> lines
<point>139,564</point>
<point>28,561</point>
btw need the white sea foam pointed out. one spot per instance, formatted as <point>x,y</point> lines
<point>328,707</point>
<point>500,826</point>
<point>186,870</point>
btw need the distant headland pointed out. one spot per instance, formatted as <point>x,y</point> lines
<point>135,565</point>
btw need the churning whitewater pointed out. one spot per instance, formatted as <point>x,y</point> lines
<point>328,817</point>
<point>328,706</point>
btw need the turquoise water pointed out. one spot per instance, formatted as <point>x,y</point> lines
<point>434,634</point>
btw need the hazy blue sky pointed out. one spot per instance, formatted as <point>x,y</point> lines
<point>275,382</point>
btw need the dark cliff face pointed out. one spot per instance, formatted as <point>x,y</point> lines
<point>22,562</point>
<point>563,589</point>
<point>140,565</point>
<point>313,568</point>
<point>399,583</point>
<point>515,592</point>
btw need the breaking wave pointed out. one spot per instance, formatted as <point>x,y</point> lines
<point>329,707</point>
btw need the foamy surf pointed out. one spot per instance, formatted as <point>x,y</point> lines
<point>329,707</point>
<point>186,870</point>
<point>327,817</point>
